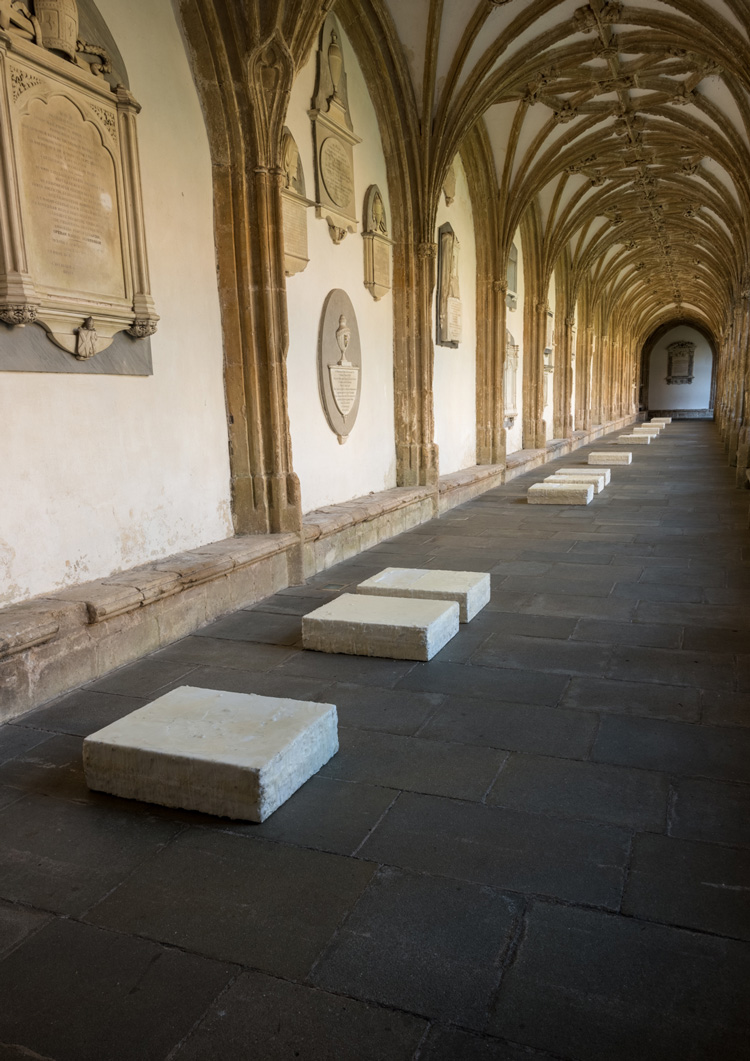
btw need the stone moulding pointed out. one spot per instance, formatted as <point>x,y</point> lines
<point>75,257</point>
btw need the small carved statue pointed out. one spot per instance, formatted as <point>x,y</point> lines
<point>88,340</point>
<point>378,215</point>
<point>343,335</point>
<point>335,63</point>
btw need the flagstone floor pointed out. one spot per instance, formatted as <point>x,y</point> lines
<point>535,846</point>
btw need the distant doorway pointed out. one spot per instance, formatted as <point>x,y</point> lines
<point>678,372</point>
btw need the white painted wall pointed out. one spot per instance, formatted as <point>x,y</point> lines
<point>549,379</point>
<point>330,472</point>
<point>455,379</point>
<point>100,473</point>
<point>695,395</point>
<point>514,324</point>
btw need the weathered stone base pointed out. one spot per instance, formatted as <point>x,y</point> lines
<point>470,589</point>
<point>394,627</point>
<point>560,494</point>
<point>636,440</point>
<point>231,754</point>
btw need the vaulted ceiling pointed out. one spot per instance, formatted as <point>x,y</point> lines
<point>624,126</point>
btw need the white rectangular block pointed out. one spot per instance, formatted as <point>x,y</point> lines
<point>560,494</point>
<point>597,481</point>
<point>610,457</point>
<point>394,627</point>
<point>660,420</point>
<point>470,589</point>
<point>647,429</point>
<point>638,440</point>
<point>583,471</point>
<point>238,755</point>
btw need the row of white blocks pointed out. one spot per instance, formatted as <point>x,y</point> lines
<point>241,755</point>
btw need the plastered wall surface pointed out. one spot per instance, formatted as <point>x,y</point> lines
<point>514,324</point>
<point>456,369</point>
<point>549,379</point>
<point>101,473</point>
<point>695,395</point>
<point>330,472</point>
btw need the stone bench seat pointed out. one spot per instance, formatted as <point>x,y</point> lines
<point>610,457</point>
<point>637,440</point>
<point>393,627</point>
<point>237,755</point>
<point>560,494</point>
<point>470,589</point>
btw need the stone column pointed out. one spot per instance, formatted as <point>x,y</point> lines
<point>416,452</point>
<point>534,427</point>
<point>563,425</point>
<point>491,433</point>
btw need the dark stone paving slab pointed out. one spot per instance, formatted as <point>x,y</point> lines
<point>711,811</point>
<point>84,711</point>
<point>696,885</point>
<point>392,949</point>
<point>15,739</point>
<point>590,986</point>
<point>675,748</point>
<point>634,698</point>
<point>650,635</point>
<point>635,799</point>
<point>536,653</point>
<point>496,683</point>
<point>64,856</point>
<point>508,849</point>
<point>450,1044</point>
<point>272,1020</point>
<point>701,669</point>
<point>17,922</point>
<point>208,651</point>
<point>325,814</point>
<point>143,678</point>
<point>516,727</point>
<point>256,626</point>
<point>236,899</point>
<point>462,771</point>
<point>75,993</point>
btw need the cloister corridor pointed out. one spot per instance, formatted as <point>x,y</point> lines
<point>534,847</point>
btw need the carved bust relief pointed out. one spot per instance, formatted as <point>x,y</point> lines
<point>377,244</point>
<point>75,260</point>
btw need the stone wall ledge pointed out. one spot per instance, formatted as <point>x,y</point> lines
<point>51,644</point>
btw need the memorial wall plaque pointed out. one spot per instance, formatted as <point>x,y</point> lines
<point>377,245</point>
<point>449,309</point>
<point>294,208</point>
<point>74,259</point>
<point>333,137</point>
<point>681,356</point>
<point>339,364</point>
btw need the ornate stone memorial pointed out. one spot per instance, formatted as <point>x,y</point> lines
<point>294,206</point>
<point>73,258</point>
<point>449,186</point>
<point>680,364</point>
<point>377,244</point>
<point>333,137</point>
<point>448,294</point>
<point>339,364</point>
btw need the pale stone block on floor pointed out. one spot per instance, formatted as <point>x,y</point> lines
<point>610,457</point>
<point>237,755</point>
<point>394,627</point>
<point>638,440</point>
<point>560,494</point>
<point>470,589</point>
<point>660,420</point>
<point>647,429</point>
<point>585,471</point>
<point>597,481</point>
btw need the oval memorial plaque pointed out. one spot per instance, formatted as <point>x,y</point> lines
<point>339,363</point>
<point>336,170</point>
